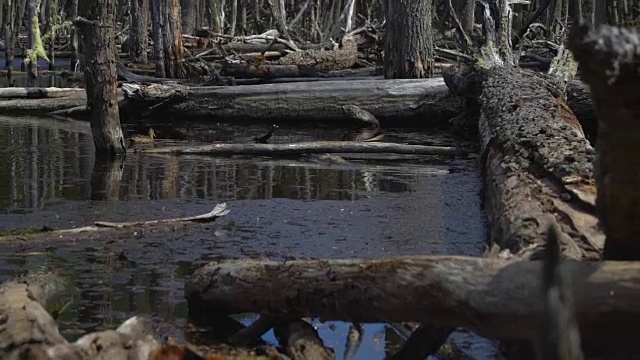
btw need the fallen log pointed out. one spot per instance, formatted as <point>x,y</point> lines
<point>40,106</point>
<point>39,93</point>
<point>427,100</point>
<point>307,147</point>
<point>536,162</point>
<point>504,297</point>
<point>103,226</point>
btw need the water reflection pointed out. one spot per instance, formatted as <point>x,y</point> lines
<point>279,208</point>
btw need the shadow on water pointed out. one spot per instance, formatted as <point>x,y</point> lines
<point>279,208</point>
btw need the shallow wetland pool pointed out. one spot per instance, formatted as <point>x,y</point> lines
<point>280,208</point>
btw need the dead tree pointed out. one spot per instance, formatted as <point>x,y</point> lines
<point>409,40</point>
<point>609,62</point>
<point>158,24</point>
<point>189,15</point>
<point>74,38</point>
<point>33,37</point>
<point>172,39</point>
<point>96,25</point>
<point>138,36</point>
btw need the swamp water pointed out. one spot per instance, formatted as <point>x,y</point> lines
<point>393,205</point>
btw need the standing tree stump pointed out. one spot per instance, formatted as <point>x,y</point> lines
<point>408,51</point>
<point>96,26</point>
<point>608,59</point>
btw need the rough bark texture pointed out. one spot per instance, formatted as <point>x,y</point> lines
<point>189,13</point>
<point>504,298</point>
<point>581,103</point>
<point>408,52</point>
<point>609,62</point>
<point>172,39</point>
<point>138,36</point>
<point>427,100</point>
<point>300,341</point>
<point>536,163</point>
<point>158,25</point>
<point>97,28</point>
<point>343,58</point>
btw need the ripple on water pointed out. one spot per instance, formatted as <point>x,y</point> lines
<point>279,208</point>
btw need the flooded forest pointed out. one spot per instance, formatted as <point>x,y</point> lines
<point>319,179</point>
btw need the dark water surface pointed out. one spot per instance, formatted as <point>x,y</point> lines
<point>393,205</point>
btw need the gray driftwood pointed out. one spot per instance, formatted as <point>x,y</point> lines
<point>503,296</point>
<point>39,93</point>
<point>307,147</point>
<point>427,99</point>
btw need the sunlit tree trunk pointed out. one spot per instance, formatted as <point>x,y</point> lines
<point>408,49</point>
<point>96,27</point>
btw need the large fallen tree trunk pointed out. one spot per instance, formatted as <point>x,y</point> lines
<point>307,147</point>
<point>495,298</point>
<point>536,163</point>
<point>427,99</point>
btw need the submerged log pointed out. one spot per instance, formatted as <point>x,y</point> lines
<point>300,341</point>
<point>40,93</point>
<point>503,296</point>
<point>307,147</point>
<point>103,226</point>
<point>536,162</point>
<point>426,99</point>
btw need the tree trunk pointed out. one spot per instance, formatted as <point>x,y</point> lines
<point>172,39</point>
<point>73,42</point>
<point>467,16</point>
<point>32,27</point>
<point>234,17</point>
<point>98,36</point>
<point>189,14</point>
<point>9,14</point>
<point>158,53</point>
<point>138,37</point>
<point>617,165</point>
<point>409,40</point>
